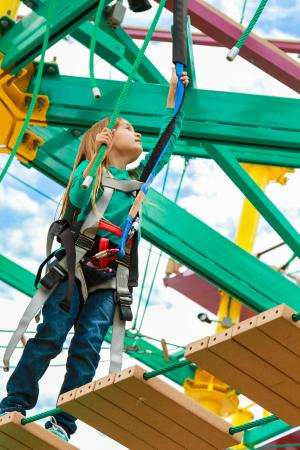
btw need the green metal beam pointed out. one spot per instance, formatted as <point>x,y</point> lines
<point>264,432</point>
<point>16,276</point>
<point>256,196</point>
<point>229,119</point>
<point>190,55</point>
<point>23,42</point>
<point>137,347</point>
<point>65,142</point>
<point>116,47</point>
<point>206,252</point>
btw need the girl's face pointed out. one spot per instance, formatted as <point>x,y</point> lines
<point>126,141</point>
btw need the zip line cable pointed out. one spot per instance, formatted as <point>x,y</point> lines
<point>241,41</point>
<point>243,12</point>
<point>35,90</point>
<point>186,161</point>
<point>148,258</point>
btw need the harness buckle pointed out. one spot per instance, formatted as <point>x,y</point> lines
<point>55,274</point>
<point>84,242</point>
<point>125,302</point>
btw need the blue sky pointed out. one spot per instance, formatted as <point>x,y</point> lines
<point>206,191</point>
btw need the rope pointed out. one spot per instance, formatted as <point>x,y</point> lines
<point>95,88</point>
<point>186,161</point>
<point>243,12</point>
<point>241,41</point>
<point>274,247</point>
<point>35,91</point>
<point>177,365</point>
<point>148,259</point>
<point>253,424</point>
<point>98,161</point>
<point>50,412</point>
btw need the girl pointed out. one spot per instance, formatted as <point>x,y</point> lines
<point>92,318</point>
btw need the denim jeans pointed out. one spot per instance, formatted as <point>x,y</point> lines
<point>91,321</point>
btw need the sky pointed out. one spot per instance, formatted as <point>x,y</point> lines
<point>206,193</point>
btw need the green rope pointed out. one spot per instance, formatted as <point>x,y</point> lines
<point>148,259</point>
<point>95,88</point>
<point>177,365</point>
<point>186,161</point>
<point>34,94</point>
<point>124,92</point>
<point>243,12</point>
<point>253,424</point>
<point>40,416</point>
<point>241,41</point>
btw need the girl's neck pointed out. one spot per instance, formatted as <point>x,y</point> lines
<point>117,161</point>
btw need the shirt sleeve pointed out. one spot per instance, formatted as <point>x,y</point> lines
<point>80,197</point>
<point>168,114</point>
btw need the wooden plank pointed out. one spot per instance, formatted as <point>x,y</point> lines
<point>31,436</point>
<point>70,404</point>
<point>137,407</point>
<point>239,356</point>
<point>118,415</point>
<point>199,353</point>
<point>278,324</point>
<point>181,409</point>
<point>270,350</point>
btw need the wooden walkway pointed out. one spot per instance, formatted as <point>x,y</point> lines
<point>15,436</point>
<point>260,357</point>
<point>146,415</point>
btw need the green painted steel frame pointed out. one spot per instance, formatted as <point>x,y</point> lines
<point>23,280</point>
<point>256,196</point>
<point>23,42</point>
<point>190,55</point>
<point>264,432</point>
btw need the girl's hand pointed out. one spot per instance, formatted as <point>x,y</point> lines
<point>105,137</point>
<point>174,80</point>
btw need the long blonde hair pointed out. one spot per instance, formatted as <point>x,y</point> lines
<point>87,151</point>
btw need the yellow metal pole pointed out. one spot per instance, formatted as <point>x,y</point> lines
<point>9,8</point>
<point>246,232</point>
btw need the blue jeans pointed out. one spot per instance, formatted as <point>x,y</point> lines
<point>91,321</point>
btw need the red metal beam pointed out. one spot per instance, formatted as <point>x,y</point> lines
<point>201,291</point>
<point>202,39</point>
<point>256,50</point>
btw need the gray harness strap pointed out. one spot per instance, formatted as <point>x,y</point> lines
<point>89,228</point>
<point>121,185</point>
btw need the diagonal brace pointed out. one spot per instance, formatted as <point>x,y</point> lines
<point>255,195</point>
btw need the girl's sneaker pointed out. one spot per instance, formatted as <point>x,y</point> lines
<point>58,431</point>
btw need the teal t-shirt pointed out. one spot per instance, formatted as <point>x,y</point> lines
<point>121,202</point>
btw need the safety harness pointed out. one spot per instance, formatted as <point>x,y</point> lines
<point>77,243</point>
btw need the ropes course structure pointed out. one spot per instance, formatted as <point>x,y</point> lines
<point>45,117</point>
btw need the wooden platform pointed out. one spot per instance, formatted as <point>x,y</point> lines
<point>15,436</point>
<point>145,415</point>
<point>260,357</point>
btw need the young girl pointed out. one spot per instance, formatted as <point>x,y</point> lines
<point>92,318</point>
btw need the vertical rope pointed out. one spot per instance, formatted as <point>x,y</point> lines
<point>243,12</point>
<point>241,41</point>
<point>148,257</point>
<point>95,89</point>
<point>186,161</point>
